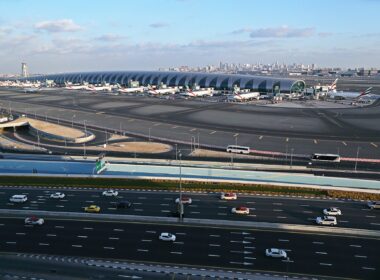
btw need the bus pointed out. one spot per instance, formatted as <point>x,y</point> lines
<point>325,157</point>
<point>237,149</point>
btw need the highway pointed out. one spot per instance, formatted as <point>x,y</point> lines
<point>306,131</point>
<point>204,206</point>
<point>212,247</point>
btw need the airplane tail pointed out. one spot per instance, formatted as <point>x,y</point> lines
<point>333,85</point>
<point>365,92</point>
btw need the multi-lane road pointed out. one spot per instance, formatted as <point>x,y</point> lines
<point>200,246</point>
<point>203,206</point>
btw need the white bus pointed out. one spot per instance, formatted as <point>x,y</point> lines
<point>237,149</point>
<point>325,157</point>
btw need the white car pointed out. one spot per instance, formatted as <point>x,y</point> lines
<point>19,198</point>
<point>332,211</point>
<point>240,210</point>
<point>58,195</point>
<point>276,253</point>
<point>34,221</point>
<point>185,200</point>
<point>166,236</point>
<point>228,196</point>
<point>326,220</point>
<point>110,193</point>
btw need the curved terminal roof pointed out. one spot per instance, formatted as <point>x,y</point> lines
<point>215,80</point>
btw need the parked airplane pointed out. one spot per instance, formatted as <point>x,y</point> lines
<point>348,94</point>
<point>104,87</point>
<point>197,92</point>
<point>70,86</point>
<point>244,96</point>
<point>129,89</point>
<point>161,91</point>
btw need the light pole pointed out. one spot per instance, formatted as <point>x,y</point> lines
<point>176,152</point>
<point>291,157</point>
<point>357,157</point>
<point>85,129</point>
<point>236,138</point>
<point>72,120</point>
<point>180,187</point>
<point>198,139</point>
<point>149,133</point>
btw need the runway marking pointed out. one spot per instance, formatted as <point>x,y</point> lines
<point>356,246</point>
<point>109,248</point>
<point>287,139</point>
<point>236,134</point>
<point>321,253</point>
<point>214,245</point>
<point>212,132</point>
<point>82,236</point>
<point>344,143</point>
<point>373,144</point>
<point>177,253</point>
<point>216,256</point>
<point>368,268</point>
<point>142,250</point>
<point>261,137</point>
<point>370,216</point>
<point>315,141</point>
<point>326,264</point>
<point>318,242</point>
<point>193,129</point>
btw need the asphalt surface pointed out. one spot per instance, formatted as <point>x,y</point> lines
<point>303,131</point>
<point>203,206</point>
<point>214,247</point>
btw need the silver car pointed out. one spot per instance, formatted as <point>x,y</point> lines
<point>374,204</point>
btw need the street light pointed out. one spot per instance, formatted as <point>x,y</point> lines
<point>291,157</point>
<point>149,133</point>
<point>180,187</point>
<point>357,156</point>
<point>176,151</point>
<point>85,129</point>
<point>72,120</point>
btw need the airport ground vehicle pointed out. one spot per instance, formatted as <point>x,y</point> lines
<point>326,220</point>
<point>240,210</point>
<point>332,211</point>
<point>276,253</point>
<point>92,209</point>
<point>110,193</point>
<point>228,196</point>
<point>374,204</point>
<point>58,195</point>
<point>185,200</point>
<point>18,198</point>
<point>238,149</point>
<point>325,157</point>
<point>124,205</point>
<point>34,221</point>
<point>166,236</point>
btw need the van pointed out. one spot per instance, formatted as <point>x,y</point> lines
<point>19,198</point>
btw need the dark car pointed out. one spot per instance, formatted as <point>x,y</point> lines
<point>124,205</point>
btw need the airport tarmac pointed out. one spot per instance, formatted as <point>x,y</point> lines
<point>214,124</point>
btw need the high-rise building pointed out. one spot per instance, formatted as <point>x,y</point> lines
<point>24,70</point>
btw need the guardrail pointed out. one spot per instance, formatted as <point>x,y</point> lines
<point>195,222</point>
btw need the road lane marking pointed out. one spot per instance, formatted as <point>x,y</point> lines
<point>77,246</point>
<point>43,244</point>
<point>321,253</point>
<point>360,256</point>
<point>318,242</point>
<point>287,139</point>
<point>177,253</point>
<point>325,264</point>
<point>283,240</point>
<point>89,201</point>
<point>344,143</point>
<point>165,211</point>
<point>368,268</point>
<point>51,235</point>
<point>261,137</point>
<point>222,207</point>
<point>214,235</point>
<point>281,217</point>
<point>356,246</point>
<point>138,210</point>
<point>109,248</point>
<point>113,238</point>
<point>141,197</point>
<point>174,127</point>
<point>214,245</point>
<point>88,228</point>
<point>307,212</point>
<point>164,204</point>
<point>212,132</point>
<point>151,231</point>
<point>20,233</point>
<point>59,227</point>
<point>82,236</point>
<point>222,214</point>
<point>193,129</point>
<point>373,144</point>
<point>178,242</point>
<point>375,224</point>
<point>236,135</point>
<point>370,216</point>
<point>304,205</point>
<point>11,242</point>
<point>180,233</point>
<point>118,229</point>
<point>142,250</point>
<point>146,240</point>
<point>277,210</point>
<point>157,124</point>
<point>211,255</point>
<point>195,212</point>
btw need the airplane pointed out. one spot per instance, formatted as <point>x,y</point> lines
<point>104,87</point>
<point>129,89</point>
<point>197,92</point>
<point>83,86</point>
<point>161,91</point>
<point>31,90</point>
<point>244,96</point>
<point>348,94</point>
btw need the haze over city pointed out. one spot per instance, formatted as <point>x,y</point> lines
<point>147,35</point>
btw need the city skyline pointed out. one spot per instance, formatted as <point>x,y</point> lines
<point>147,35</point>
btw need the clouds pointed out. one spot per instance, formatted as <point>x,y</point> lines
<point>54,26</point>
<point>282,32</point>
<point>109,37</point>
<point>159,24</point>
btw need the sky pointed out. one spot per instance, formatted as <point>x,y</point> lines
<point>94,35</point>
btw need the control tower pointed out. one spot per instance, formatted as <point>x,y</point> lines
<point>24,70</point>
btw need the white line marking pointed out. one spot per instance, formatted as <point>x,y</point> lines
<point>88,228</point>
<point>214,245</point>
<point>321,253</point>
<point>360,256</point>
<point>283,240</point>
<point>142,250</point>
<point>146,240</point>
<point>211,255</point>
<point>109,248</point>
<point>356,246</point>
<point>318,242</point>
<point>118,229</point>
<point>82,236</point>
<point>20,233</point>
<point>77,246</point>
<point>51,235</point>
<point>177,253</point>
<point>326,264</point>
<point>44,244</point>
<point>113,238</point>
<point>368,268</point>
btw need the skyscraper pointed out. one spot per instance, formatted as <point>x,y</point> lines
<point>24,70</point>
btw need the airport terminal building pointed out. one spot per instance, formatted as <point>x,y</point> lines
<point>263,84</point>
